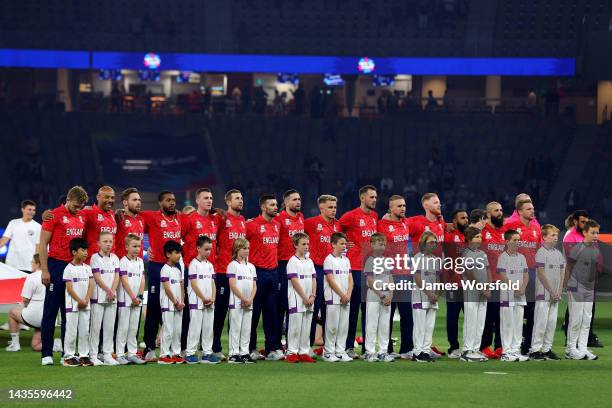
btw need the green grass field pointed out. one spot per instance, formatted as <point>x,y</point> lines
<point>356,384</point>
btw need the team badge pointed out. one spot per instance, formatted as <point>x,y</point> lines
<point>457,238</point>
<point>65,220</point>
<point>488,236</point>
<point>198,225</point>
<point>319,227</point>
<point>163,224</point>
<point>362,222</point>
<point>228,224</point>
<point>128,223</point>
<point>391,228</point>
<point>100,217</point>
<point>287,222</point>
<point>30,232</point>
<point>262,228</point>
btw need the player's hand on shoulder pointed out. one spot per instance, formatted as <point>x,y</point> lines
<point>119,215</point>
<point>47,215</point>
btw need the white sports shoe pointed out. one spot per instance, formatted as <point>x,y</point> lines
<point>95,360</point>
<point>394,355</point>
<point>122,360</point>
<point>57,346</point>
<point>588,354</point>
<point>343,357</point>
<point>24,327</point>
<point>386,358</point>
<point>220,356</point>
<point>352,354</point>
<point>522,358</point>
<point>136,360</point>
<point>151,356</point>
<point>256,355</point>
<point>434,355</point>
<point>456,353</point>
<point>109,360</point>
<point>508,357</point>
<point>13,346</point>
<point>574,355</point>
<point>406,356</point>
<point>47,361</point>
<point>275,355</point>
<point>5,326</point>
<point>330,358</point>
<point>370,357</point>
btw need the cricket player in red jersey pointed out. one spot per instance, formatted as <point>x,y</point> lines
<point>98,218</point>
<point>359,225</point>
<point>263,234</point>
<point>195,224</point>
<point>231,227</point>
<point>531,239</point>
<point>393,225</point>
<point>130,222</point>
<point>162,226</point>
<point>432,221</point>
<point>493,244</point>
<point>320,230</point>
<point>291,222</point>
<point>453,248</point>
<point>67,223</point>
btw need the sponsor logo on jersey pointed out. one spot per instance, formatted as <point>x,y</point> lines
<point>457,239</point>
<point>65,220</point>
<point>128,223</point>
<point>362,222</point>
<point>488,235</point>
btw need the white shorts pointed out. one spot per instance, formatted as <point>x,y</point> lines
<point>32,314</point>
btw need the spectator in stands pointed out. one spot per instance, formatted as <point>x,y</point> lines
<point>299,96</point>
<point>261,100</point>
<point>532,99</point>
<point>571,200</point>
<point>432,103</point>
<point>237,98</point>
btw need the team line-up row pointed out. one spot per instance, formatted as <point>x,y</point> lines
<point>249,261</point>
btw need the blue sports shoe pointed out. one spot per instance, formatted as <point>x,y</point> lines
<point>210,359</point>
<point>191,359</point>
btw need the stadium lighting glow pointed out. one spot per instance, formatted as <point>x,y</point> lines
<point>152,61</point>
<point>138,161</point>
<point>366,65</point>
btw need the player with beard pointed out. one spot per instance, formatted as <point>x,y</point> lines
<point>231,227</point>
<point>393,225</point>
<point>195,224</point>
<point>531,239</point>
<point>129,221</point>
<point>515,215</point>
<point>162,225</point>
<point>453,248</point>
<point>263,235</point>
<point>359,225</point>
<point>320,230</point>
<point>432,221</point>
<point>493,244</point>
<point>291,222</point>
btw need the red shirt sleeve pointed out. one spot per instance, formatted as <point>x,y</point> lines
<point>49,225</point>
<point>250,229</point>
<point>185,224</point>
<point>346,221</point>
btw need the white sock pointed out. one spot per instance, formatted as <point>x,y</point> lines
<point>15,337</point>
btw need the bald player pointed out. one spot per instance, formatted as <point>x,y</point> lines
<point>359,225</point>
<point>320,230</point>
<point>493,245</point>
<point>231,227</point>
<point>394,226</point>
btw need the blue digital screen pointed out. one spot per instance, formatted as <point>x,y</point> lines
<point>383,80</point>
<point>333,80</point>
<point>288,78</point>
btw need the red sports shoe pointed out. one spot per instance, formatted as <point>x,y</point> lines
<point>293,358</point>
<point>165,360</point>
<point>178,359</point>
<point>305,358</point>
<point>437,351</point>
<point>489,353</point>
<point>318,351</point>
<point>499,351</point>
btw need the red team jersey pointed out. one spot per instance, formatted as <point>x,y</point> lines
<point>398,235</point>
<point>161,229</point>
<point>493,244</point>
<point>263,237</point>
<point>130,225</point>
<point>289,226</point>
<point>63,227</point>
<point>320,231</point>
<point>358,227</point>
<point>230,228</point>
<point>419,224</point>
<point>194,226</point>
<point>454,243</point>
<point>531,238</point>
<point>97,221</point>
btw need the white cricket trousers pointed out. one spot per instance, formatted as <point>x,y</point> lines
<point>511,328</point>
<point>200,330</point>
<point>240,331</point>
<point>127,328</point>
<point>336,328</point>
<point>580,312</point>
<point>298,332</point>
<point>474,316</point>
<point>102,316</point>
<point>422,332</point>
<point>378,321</point>
<point>544,325</point>
<point>171,333</point>
<point>77,325</point>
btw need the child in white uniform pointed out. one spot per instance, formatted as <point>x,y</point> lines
<point>171,302</point>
